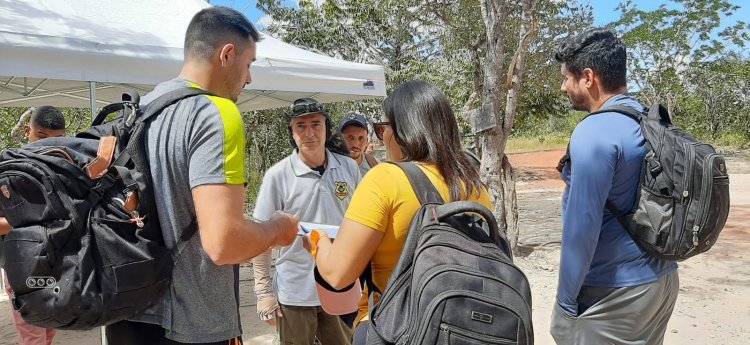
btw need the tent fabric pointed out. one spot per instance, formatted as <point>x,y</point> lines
<point>51,49</point>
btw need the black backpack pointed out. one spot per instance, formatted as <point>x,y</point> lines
<point>683,198</point>
<point>86,247</point>
<point>455,282</point>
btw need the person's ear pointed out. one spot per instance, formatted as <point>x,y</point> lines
<point>226,54</point>
<point>27,130</point>
<point>588,77</point>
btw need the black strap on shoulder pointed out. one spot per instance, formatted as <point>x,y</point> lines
<point>426,194</point>
<point>627,111</point>
<point>156,106</point>
<point>130,99</point>
<point>423,187</point>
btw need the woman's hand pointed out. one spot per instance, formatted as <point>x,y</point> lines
<point>311,241</point>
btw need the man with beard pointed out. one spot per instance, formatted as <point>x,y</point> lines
<point>354,127</point>
<point>610,290</point>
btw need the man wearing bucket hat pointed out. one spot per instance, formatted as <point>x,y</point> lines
<point>355,130</point>
<point>316,185</point>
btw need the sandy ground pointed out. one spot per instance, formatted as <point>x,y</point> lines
<point>713,307</point>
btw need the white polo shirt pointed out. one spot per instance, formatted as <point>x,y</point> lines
<point>293,187</point>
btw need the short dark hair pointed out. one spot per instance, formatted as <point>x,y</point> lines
<point>426,129</point>
<point>598,49</point>
<point>48,117</point>
<point>214,26</point>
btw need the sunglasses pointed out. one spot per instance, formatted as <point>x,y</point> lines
<point>306,108</point>
<point>379,128</point>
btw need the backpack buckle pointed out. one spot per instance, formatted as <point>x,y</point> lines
<point>652,163</point>
<point>131,113</point>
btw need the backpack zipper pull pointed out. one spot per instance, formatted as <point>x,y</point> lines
<point>137,219</point>
<point>695,236</point>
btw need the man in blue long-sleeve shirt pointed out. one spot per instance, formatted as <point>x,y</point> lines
<point>610,290</point>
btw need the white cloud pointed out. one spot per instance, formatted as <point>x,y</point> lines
<point>264,21</point>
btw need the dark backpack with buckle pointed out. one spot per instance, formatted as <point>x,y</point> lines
<point>86,247</point>
<point>455,282</point>
<point>683,195</point>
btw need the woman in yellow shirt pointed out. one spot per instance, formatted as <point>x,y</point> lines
<point>419,126</point>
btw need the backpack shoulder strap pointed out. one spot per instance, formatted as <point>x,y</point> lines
<point>426,194</point>
<point>371,160</point>
<point>156,106</point>
<point>625,110</point>
<point>423,187</point>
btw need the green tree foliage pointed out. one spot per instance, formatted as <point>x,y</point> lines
<point>665,44</point>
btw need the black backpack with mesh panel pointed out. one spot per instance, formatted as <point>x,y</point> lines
<point>683,195</point>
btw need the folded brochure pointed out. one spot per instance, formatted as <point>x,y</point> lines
<point>305,228</point>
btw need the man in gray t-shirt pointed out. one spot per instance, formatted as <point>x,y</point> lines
<point>196,153</point>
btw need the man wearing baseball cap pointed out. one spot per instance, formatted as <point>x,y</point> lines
<point>354,128</point>
<point>316,185</point>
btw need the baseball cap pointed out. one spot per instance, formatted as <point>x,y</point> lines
<point>353,118</point>
<point>337,302</point>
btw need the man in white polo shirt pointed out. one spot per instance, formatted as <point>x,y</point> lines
<point>316,185</point>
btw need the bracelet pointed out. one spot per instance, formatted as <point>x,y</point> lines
<point>315,237</point>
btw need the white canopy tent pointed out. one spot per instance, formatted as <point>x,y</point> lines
<point>85,53</point>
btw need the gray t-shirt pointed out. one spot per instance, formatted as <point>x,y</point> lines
<point>197,141</point>
<point>291,186</point>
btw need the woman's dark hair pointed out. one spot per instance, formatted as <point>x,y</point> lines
<point>425,128</point>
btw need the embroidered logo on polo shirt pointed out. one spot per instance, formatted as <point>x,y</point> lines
<point>342,190</point>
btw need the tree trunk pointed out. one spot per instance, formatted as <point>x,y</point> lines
<point>496,168</point>
<point>494,14</point>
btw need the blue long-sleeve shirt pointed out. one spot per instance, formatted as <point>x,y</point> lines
<point>606,152</point>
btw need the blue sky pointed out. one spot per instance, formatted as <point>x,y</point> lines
<point>604,10</point>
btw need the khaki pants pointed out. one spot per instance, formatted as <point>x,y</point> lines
<point>301,325</point>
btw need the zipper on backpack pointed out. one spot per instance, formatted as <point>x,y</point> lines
<point>687,181</point>
<point>466,293</point>
<point>64,198</point>
<point>702,217</point>
<point>447,328</point>
<point>442,296</point>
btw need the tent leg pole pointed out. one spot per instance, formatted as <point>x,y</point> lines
<point>92,97</point>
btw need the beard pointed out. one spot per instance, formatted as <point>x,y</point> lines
<point>578,102</point>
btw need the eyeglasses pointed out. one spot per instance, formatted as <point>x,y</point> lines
<point>379,128</point>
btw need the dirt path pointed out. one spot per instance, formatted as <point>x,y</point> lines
<point>713,307</point>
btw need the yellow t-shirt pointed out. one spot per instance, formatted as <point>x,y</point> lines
<point>385,201</point>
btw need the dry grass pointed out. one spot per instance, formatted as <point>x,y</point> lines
<point>532,144</point>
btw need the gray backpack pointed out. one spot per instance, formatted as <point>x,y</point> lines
<point>455,282</point>
<point>683,199</point>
